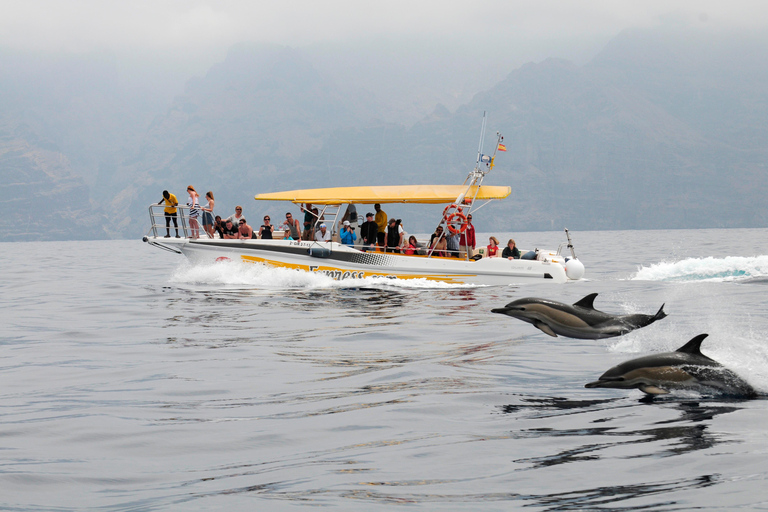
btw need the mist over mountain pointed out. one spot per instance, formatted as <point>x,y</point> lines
<point>664,128</point>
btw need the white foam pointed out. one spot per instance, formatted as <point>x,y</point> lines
<point>253,275</point>
<point>730,268</point>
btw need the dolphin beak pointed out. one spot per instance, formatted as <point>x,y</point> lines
<point>506,310</point>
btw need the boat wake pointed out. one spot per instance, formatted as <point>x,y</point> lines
<point>730,268</point>
<point>231,274</point>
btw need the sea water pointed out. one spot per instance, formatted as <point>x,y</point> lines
<point>132,380</point>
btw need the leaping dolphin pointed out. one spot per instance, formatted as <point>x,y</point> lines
<point>581,320</point>
<point>686,368</point>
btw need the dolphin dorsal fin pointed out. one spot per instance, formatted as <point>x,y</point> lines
<point>693,346</point>
<point>587,302</point>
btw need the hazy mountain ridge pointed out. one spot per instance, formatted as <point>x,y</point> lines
<point>660,130</point>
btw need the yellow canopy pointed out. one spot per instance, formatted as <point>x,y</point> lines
<point>424,194</point>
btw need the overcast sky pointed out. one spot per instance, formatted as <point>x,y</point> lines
<point>183,38</point>
<point>81,25</point>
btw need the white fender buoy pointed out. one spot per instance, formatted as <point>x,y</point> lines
<point>574,269</point>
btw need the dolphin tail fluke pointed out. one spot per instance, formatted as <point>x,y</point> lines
<point>693,346</point>
<point>660,314</point>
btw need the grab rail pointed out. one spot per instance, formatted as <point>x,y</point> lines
<point>157,222</point>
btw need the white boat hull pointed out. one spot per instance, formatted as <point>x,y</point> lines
<point>342,262</point>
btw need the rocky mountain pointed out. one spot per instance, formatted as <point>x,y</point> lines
<point>662,129</point>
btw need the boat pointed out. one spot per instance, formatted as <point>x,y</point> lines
<point>343,262</point>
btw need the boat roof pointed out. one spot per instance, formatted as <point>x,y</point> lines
<point>424,194</point>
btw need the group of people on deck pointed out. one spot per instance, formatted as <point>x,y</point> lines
<point>233,227</point>
<point>377,232</point>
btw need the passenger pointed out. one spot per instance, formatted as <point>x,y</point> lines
<point>381,222</point>
<point>265,231</point>
<point>219,226</point>
<point>393,238</point>
<point>413,246</point>
<point>245,232</point>
<point>318,220</point>
<point>510,251</point>
<point>452,241</point>
<point>492,251</point>
<point>170,213</point>
<point>369,231</point>
<point>309,222</point>
<point>348,236</point>
<point>230,231</point>
<point>287,235</point>
<point>235,218</point>
<point>208,214</point>
<point>293,226</point>
<point>351,216</point>
<point>437,243</point>
<point>194,212</point>
<point>323,235</point>
<point>467,242</point>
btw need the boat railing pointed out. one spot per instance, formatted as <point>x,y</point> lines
<point>158,225</point>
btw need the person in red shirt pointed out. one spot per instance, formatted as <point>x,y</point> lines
<point>467,241</point>
<point>492,251</point>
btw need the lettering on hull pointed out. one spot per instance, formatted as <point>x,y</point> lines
<point>340,274</point>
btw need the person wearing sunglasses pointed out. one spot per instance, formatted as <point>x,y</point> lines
<point>235,218</point>
<point>467,242</point>
<point>265,231</point>
<point>245,232</point>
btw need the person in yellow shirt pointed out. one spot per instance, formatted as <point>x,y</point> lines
<point>170,213</point>
<point>381,222</point>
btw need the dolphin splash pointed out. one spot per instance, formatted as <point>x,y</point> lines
<point>686,368</point>
<point>580,320</point>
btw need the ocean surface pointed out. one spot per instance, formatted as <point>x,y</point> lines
<point>132,381</point>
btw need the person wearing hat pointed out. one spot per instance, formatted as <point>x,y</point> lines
<point>368,232</point>
<point>323,235</point>
<point>351,216</point>
<point>348,236</point>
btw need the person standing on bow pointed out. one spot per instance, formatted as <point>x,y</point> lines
<point>208,214</point>
<point>194,211</point>
<point>467,241</point>
<point>381,221</point>
<point>170,213</point>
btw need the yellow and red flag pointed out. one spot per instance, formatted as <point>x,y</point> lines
<point>502,147</point>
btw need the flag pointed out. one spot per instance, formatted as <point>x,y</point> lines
<point>485,159</point>
<point>502,147</point>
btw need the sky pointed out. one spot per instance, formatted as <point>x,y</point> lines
<point>174,40</point>
<point>194,25</point>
